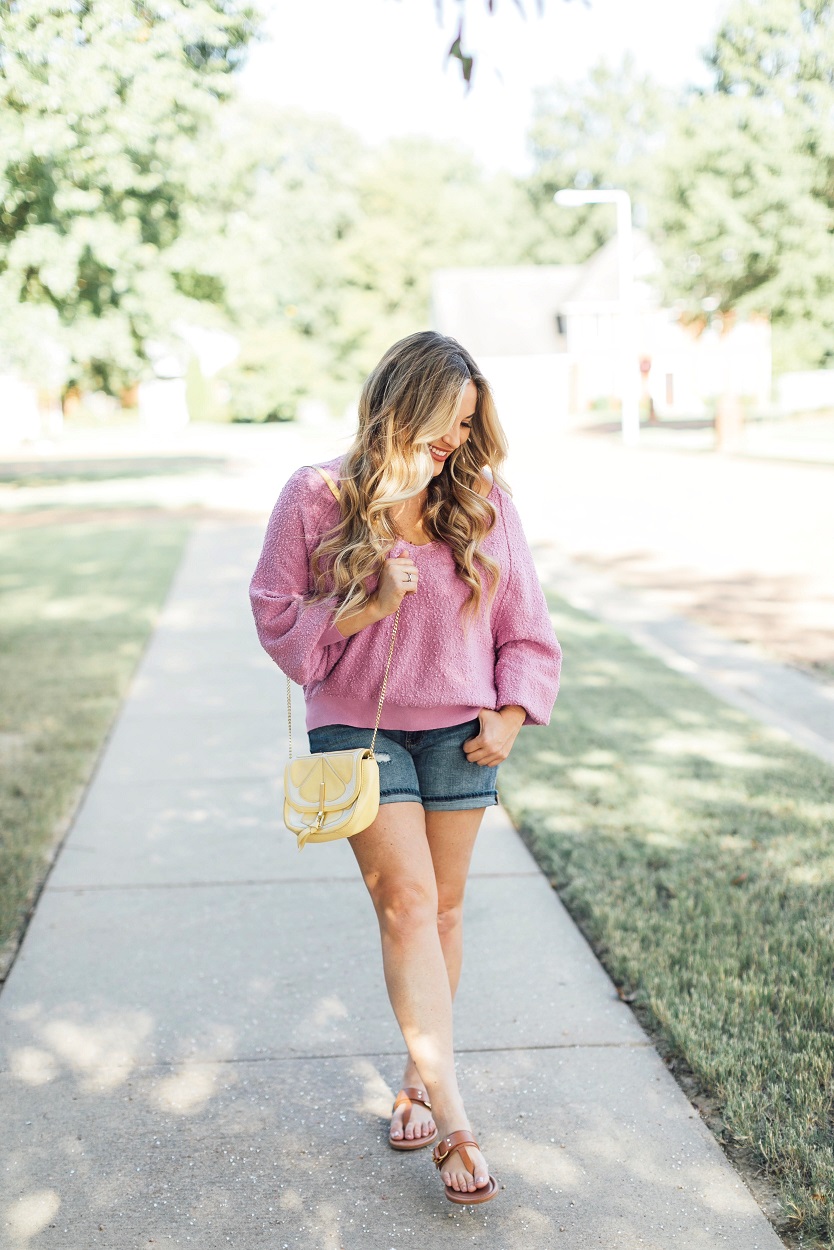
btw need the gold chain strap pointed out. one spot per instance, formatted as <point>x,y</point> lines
<point>381,693</point>
<point>385,678</point>
<point>289,712</point>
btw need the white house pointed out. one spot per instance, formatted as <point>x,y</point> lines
<point>548,337</point>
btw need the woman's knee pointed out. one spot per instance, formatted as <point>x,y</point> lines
<point>449,916</point>
<point>404,906</point>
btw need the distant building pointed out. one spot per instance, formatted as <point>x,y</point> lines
<point>548,336</point>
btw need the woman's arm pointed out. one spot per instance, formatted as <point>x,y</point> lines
<point>528,656</point>
<point>299,636</point>
<point>357,621</point>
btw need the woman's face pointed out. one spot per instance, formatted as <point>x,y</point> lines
<point>443,447</point>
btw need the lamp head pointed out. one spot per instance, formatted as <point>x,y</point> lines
<point>572,196</point>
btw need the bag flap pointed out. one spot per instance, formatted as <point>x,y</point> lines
<point>341,772</point>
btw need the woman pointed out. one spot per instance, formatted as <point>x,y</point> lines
<point>423,524</point>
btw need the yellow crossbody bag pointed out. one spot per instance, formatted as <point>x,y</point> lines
<point>333,794</point>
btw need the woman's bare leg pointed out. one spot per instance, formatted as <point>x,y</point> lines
<point>396,864</point>
<point>451,838</point>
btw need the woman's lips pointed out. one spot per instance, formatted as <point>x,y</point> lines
<point>437,454</point>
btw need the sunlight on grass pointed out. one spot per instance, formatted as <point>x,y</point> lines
<point>77,602</point>
<point>695,849</point>
<point>722,748</point>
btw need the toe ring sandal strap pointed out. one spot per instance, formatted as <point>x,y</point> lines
<point>406,1098</point>
<point>410,1093</point>
<point>455,1141</point>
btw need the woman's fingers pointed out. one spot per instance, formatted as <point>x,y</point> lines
<point>485,759</point>
<point>401,569</point>
<point>403,564</point>
<point>489,746</point>
<point>404,571</point>
<point>398,578</point>
<point>478,751</point>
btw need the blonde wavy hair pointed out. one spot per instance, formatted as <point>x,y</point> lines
<point>410,400</point>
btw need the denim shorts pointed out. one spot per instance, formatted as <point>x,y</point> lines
<point>425,766</point>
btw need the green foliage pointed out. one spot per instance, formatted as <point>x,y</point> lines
<point>746,210</point>
<point>735,182</point>
<point>604,132</point>
<point>422,205</point>
<point>136,191</point>
<point>103,106</point>
<point>284,194</point>
<point>328,248</point>
<point>198,398</point>
<point>275,369</point>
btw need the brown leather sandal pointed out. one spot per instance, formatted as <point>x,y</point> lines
<point>456,1141</point>
<point>409,1095</point>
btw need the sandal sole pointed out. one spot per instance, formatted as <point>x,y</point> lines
<point>470,1200</point>
<point>403,1143</point>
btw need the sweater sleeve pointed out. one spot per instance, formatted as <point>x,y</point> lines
<point>528,658</point>
<point>300,637</point>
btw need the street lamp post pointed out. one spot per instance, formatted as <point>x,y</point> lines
<point>630,419</point>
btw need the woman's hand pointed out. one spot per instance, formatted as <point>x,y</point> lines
<point>397,579</point>
<point>394,584</point>
<point>499,731</point>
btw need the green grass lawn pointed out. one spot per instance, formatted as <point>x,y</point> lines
<point>696,850</point>
<point>77,602</point>
<point>22,474</point>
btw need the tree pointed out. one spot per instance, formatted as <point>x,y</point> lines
<point>604,132</point>
<point>423,205</point>
<point>284,192</point>
<point>103,107</point>
<point>747,204</point>
<point>328,247</point>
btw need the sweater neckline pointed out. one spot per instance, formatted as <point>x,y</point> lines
<point>435,542</point>
<point>431,543</point>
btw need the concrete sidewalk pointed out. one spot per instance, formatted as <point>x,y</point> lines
<point>197,1044</point>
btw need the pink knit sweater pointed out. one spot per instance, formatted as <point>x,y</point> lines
<point>442,672</point>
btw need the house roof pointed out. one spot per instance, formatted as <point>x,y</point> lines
<point>503,311</point>
<point>599,277</point>
<point>512,310</point>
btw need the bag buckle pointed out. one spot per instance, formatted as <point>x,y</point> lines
<point>315,827</point>
<point>320,814</point>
